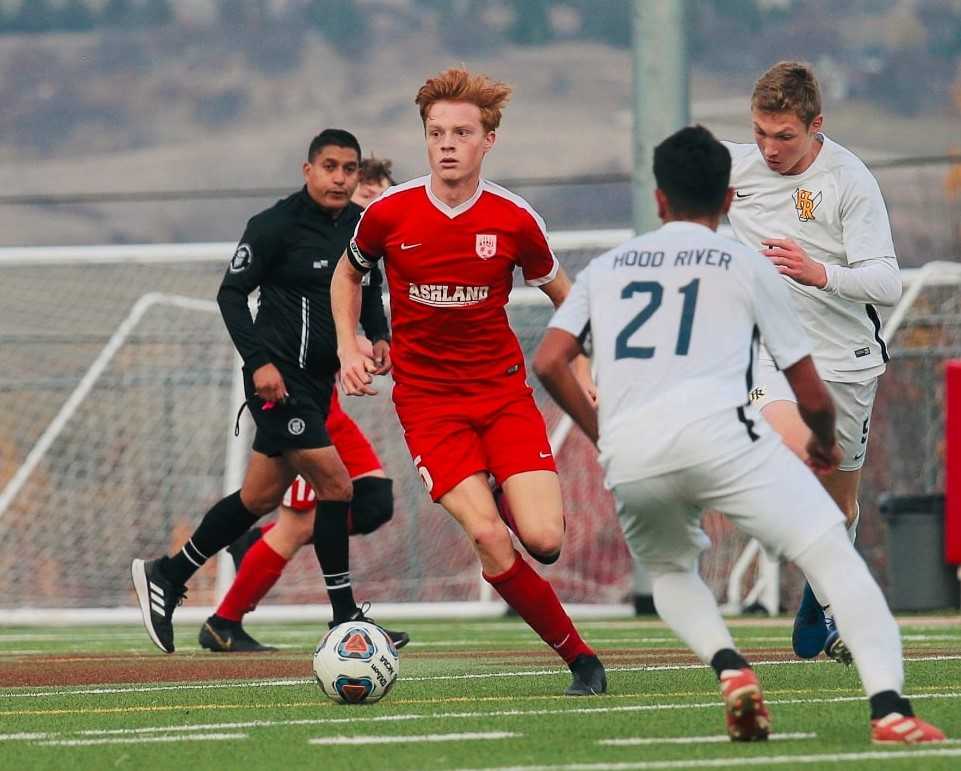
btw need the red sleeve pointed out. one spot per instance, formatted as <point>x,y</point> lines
<point>370,235</point>
<point>535,257</point>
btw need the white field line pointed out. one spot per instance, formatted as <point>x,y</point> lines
<point>731,762</point>
<point>425,678</point>
<point>143,740</point>
<point>480,714</point>
<point>486,736</point>
<point>22,737</point>
<point>718,739</point>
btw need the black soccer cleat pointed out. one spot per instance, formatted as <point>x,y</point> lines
<point>222,636</point>
<point>590,679</point>
<point>242,545</point>
<point>400,639</point>
<point>158,596</point>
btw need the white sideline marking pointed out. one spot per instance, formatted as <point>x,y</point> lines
<point>475,715</point>
<point>730,762</point>
<point>488,736</point>
<point>23,737</point>
<point>469,676</point>
<point>143,740</point>
<point>719,739</point>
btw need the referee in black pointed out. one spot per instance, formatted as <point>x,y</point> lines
<point>289,253</point>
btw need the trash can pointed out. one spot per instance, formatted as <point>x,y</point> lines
<point>918,576</point>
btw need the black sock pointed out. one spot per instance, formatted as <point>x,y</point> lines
<point>332,549</point>
<point>727,658</point>
<point>886,702</point>
<point>226,521</point>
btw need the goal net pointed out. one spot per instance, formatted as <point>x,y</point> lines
<point>119,386</point>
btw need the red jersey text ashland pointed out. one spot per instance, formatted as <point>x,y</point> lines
<point>450,271</point>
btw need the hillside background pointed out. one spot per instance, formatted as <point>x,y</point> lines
<point>114,96</point>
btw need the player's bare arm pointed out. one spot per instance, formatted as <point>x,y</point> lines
<point>552,365</point>
<point>817,411</point>
<point>557,290</point>
<point>356,368</point>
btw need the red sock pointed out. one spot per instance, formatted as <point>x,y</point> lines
<point>259,571</point>
<point>536,602</point>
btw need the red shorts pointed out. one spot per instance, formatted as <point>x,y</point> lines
<point>351,444</point>
<point>452,435</point>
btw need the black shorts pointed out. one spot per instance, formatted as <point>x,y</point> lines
<point>300,422</point>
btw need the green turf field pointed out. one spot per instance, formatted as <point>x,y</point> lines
<point>472,695</point>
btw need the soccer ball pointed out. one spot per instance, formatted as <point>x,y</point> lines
<point>356,663</point>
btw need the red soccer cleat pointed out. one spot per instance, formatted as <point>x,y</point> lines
<point>747,717</point>
<point>898,729</point>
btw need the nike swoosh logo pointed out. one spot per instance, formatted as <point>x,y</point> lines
<point>742,195</point>
<point>544,454</point>
<point>557,647</point>
<point>405,247</point>
<point>858,457</point>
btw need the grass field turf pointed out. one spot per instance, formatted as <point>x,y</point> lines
<point>472,695</point>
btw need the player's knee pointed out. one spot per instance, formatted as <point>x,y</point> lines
<point>260,502</point>
<point>335,489</point>
<point>372,504</point>
<point>545,546</point>
<point>491,537</point>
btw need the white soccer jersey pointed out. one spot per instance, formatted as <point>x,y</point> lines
<point>674,317</point>
<point>834,210</point>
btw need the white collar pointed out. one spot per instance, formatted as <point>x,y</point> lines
<point>453,211</point>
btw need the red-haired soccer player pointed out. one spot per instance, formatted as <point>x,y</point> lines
<point>450,242</point>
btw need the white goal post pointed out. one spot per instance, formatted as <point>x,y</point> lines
<point>106,360</point>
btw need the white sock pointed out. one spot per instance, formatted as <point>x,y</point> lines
<point>863,618</point>
<point>819,594</point>
<point>686,605</point>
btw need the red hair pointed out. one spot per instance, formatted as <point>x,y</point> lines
<point>460,85</point>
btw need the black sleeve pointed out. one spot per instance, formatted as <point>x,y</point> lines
<point>373,318</point>
<point>249,266</point>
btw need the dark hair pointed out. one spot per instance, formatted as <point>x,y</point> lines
<point>374,169</point>
<point>332,136</point>
<point>693,170</point>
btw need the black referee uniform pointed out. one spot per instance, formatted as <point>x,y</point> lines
<point>289,252</point>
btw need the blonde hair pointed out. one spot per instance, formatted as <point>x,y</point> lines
<point>788,87</point>
<point>460,85</point>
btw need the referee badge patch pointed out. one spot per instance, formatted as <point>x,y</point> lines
<point>296,426</point>
<point>242,258</point>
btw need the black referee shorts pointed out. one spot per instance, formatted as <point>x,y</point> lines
<point>300,422</point>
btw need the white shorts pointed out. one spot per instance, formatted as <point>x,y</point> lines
<point>759,484</point>
<point>852,401</point>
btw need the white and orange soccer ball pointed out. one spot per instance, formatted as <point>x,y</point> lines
<point>356,663</point>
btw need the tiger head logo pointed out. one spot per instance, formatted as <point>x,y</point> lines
<point>806,203</point>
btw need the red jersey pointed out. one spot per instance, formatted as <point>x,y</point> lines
<point>449,272</point>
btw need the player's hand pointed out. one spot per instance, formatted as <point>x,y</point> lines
<point>382,357</point>
<point>356,370</point>
<point>269,384</point>
<point>822,458</point>
<point>792,261</point>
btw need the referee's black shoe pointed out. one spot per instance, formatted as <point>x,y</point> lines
<point>400,639</point>
<point>158,596</point>
<point>222,636</point>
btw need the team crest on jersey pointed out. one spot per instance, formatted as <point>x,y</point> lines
<point>296,426</point>
<point>241,259</point>
<point>806,203</point>
<point>486,246</point>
